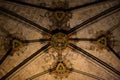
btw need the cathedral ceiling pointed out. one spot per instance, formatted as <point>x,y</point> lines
<point>59,39</point>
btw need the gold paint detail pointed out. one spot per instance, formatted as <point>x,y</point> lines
<point>102,41</point>
<point>59,41</point>
<point>16,44</point>
<point>59,15</point>
<point>60,69</point>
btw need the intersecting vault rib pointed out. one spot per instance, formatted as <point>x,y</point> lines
<point>96,59</point>
<point>57,9</point>
<point>87,74</point>
<point>24,19</point>
<point>92,19</point>
<point>6,55</point>
<point>24,62</point>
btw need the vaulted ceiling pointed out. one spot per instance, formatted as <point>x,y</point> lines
<point>59,39</point>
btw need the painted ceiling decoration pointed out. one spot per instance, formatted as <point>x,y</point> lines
<point>57,43</point>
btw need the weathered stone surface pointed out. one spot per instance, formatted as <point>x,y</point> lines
<point>21,30</point>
